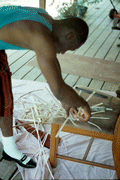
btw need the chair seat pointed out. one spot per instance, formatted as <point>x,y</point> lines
<point>107,125</point>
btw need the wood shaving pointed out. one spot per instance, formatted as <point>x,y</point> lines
<point>37,111</point>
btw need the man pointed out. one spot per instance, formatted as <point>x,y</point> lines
<point>34,29</point>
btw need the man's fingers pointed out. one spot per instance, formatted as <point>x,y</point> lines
<point>80,114</point>
<point>83,115</point>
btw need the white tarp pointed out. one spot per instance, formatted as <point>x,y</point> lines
<point>70,145</point>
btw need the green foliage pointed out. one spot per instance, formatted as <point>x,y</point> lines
<point>76,9</point>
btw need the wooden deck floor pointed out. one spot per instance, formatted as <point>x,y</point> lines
<point>102,43</point>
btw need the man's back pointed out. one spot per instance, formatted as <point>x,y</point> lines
<point>17,22</point>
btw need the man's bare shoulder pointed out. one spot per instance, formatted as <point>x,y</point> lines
<point>22,33</point>
<point>42,42</point>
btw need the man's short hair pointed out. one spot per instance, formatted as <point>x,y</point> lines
<point>80,27</point>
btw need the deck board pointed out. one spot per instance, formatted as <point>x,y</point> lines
<point>107,53</point>
<point>83,81</point>
<point>101,43</point>
<point>16,56</point>
<point>71,79</point>
<point>6,168</point>
<point>33,74</point>
<point>23,61</point>
<point>110,86</point>
<point>21,74</point>
<point>105,46</point>
<point>118,58</point>
<point>96,84</point>
<point>99,29</point>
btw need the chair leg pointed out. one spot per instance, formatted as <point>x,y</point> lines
<point>53,145</point>
<point>118,92</point>
<point>116,148</point>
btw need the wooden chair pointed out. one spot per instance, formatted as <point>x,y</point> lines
<point>110,130</point>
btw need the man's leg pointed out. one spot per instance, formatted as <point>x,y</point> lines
<point>10,151</point>
<point>6,124</point>
<point>9,146</point>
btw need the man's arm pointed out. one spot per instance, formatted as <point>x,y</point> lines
<point>49,65</point>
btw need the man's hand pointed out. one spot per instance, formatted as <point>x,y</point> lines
<point>67,108</point>
<point>82,113</point>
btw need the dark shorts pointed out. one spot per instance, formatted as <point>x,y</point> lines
<point>6,97</point>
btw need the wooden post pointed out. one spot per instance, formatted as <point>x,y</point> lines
<point>53,145</point>
<point>42,4</point>
<point>118,92</point>
<point>116,148</point>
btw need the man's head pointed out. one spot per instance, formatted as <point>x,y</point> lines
<point>69,34</point>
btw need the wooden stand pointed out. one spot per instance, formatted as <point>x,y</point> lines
<point>53,149</point>
<point>87,130</point>
<point>118,92</point>
<point>54,144</point>
<point>116,148</point>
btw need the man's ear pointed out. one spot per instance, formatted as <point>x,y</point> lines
<point>71,36</point>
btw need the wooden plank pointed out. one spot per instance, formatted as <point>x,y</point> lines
<point>96,84</point>
<point>118,58</point>
<point>113,56</point>
<point>88,149</point>
<point>93,10</point>
<point>96,12</point>
<point>94,21</point>
<point>10,52</point>
<point>82,130</point>
<point>96,29</point>
<point>102,12</point>
<point>18,64</point>
<point>6,169</point>
<point>33,74</point>
<point>106,45</point>
<point>94,48</point>
<point>22,72</point>
<point>71,79</point>
<point>104,41</point>
<point>86,162</point>
<point>64,75</point>
<point>83,81</point>
<point>17,176</point>
<point>93,37</point>
<point>88,67</point>
<point>110,87</point>
<point>16,56</point>
<point>41,78</point>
